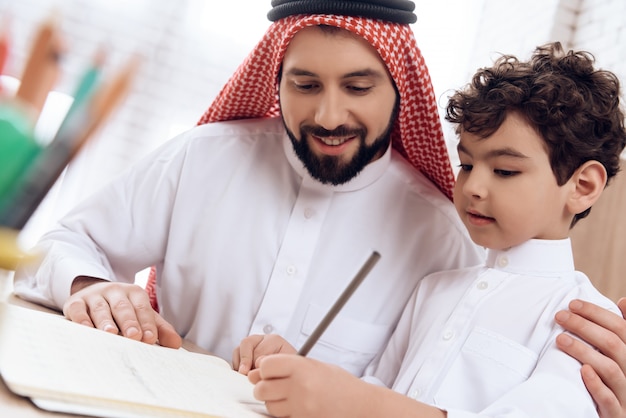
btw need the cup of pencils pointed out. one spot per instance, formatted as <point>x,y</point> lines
<point>28,169</point>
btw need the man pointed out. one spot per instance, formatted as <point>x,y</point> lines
<point>256,226</point>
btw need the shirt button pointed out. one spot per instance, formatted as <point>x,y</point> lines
<point>416,394</point>
<point>309,213</point>
<point>482,285</point>
<point>448,335</point>
<point>268,329</point>
<point>291,270</point>
<point>503,262</point>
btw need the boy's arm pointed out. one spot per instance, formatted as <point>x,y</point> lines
<point>300,387</point>
<point>604,371</point>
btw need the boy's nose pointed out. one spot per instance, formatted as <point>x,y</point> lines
<point>474,187</point>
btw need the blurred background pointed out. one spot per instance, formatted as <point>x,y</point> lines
<point>191,47</point>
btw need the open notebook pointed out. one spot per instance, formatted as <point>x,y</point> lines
<point>66,367</point>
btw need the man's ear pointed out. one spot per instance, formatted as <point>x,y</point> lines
<point>588,182</point>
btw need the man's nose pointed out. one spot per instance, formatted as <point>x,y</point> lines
<point>331,110</point>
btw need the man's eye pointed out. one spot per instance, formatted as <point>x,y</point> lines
<point>505,173</point>
<point>304,86</point>
<point>359,89</point>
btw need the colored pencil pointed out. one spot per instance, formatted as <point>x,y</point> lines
<point>28,194</point>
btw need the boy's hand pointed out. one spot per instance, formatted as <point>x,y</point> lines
<point>119,308</point>
<point>254,347</point>
<point>300,387</point>
<point>604,371</point>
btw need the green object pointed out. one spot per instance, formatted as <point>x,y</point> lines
<point>18,147</point>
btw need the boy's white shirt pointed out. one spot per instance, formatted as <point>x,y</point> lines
<point>481,341</point>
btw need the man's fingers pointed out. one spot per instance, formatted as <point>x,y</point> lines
<point>599,327</point>
<point>145,315</point>
<point>124,314</point>
<point>76,311</point>
<point>622,306</point>
<point>600,316</point>
<point>603,376</point>
<point>167,335</point>
<point>100,313</point>
<point>581,351</point>
<point>608,404</point>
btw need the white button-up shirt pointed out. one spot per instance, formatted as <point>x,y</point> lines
<point>246,242</point>
<point>480,342</point>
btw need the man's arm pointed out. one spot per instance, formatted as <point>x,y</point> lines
<point>604,370</point>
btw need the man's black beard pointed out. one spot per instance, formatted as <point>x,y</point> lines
<point>330,169</point>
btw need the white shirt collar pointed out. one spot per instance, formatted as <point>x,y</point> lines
<point>535,256</point>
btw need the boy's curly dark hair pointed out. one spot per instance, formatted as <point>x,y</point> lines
<point>574,107</point>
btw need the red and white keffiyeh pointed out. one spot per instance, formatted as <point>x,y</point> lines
<point>252,91</point>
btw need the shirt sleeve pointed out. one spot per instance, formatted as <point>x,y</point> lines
<point>129,216</point>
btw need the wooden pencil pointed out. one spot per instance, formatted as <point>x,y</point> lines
<point>339,303</point>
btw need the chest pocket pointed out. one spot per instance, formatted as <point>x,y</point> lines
<point>499,362</point>
<point>346,342</point>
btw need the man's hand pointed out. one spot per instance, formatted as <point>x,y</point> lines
<point>118,308</point>
<point>603,371</point>
<point>253,348</point>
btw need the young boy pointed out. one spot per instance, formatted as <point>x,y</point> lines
<point>539,141</point>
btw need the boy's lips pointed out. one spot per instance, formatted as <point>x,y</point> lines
<point>477,218</point>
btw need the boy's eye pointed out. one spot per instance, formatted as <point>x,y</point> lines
<point>505,173</point>
<point>465,167</point>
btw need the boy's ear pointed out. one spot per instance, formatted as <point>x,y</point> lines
<point>588,182</point>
